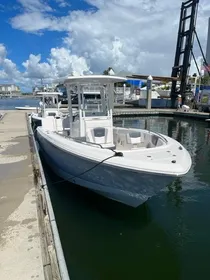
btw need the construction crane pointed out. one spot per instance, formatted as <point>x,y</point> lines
<point>184,49</point>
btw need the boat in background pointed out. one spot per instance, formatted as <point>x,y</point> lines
<point>26,107</point>
<point>123,164</point>
<point>48,106</point>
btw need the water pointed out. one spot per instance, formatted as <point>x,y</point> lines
<point>168,237</point>
<point>10,104</point>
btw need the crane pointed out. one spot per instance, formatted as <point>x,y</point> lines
<point>184,49</point>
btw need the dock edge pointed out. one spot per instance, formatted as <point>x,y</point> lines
<point>54,264</point>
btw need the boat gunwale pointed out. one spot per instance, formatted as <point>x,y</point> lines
<point>108,162</point>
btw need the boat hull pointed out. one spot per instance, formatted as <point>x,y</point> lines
<point>123,185</point>
<point>35,122</point>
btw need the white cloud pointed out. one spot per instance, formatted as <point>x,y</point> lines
<point>35,69</point>
<point>63,3</point>
<point>9,70</point>
<point>3,53</point>
<point>35,5</point>
<point>60,63</point>
<point>63,62</point>
<point>137,36</point>
<point>41,22</point>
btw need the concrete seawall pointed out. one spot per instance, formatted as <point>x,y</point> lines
<point>20,253</point>
<point>29,242</point>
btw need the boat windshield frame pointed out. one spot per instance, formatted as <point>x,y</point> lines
<point>102,85</point>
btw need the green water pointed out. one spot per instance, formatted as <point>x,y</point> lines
<point>167,238</point>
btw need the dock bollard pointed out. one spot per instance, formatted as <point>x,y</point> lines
<point>149,91</point>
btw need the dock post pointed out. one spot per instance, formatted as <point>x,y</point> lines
<point>149,91</point>
<point>124,90</point>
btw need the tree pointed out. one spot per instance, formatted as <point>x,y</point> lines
<point>106,72</point>
<point>205,80</point>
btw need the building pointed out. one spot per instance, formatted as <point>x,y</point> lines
<point>9,90</point>
<point>208,47</point>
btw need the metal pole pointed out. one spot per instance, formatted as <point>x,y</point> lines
<point>79,90</point>
<point>70,108</point>
<point>124,89</point>
<point>149,91</point>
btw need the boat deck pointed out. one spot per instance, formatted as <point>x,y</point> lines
<point>20,250</point>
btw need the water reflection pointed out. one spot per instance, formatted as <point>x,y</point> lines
<point>174,194</point>
<point>207,136</point>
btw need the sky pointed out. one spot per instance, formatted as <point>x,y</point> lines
<point>50,39</point>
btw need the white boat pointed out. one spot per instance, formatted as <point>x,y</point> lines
<point>126,165</point>
<point>163,92</point>
<point>26,107</point>
<point>48,106</point>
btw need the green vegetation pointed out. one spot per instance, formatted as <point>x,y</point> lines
<point>205,80</point>
<point>106,72</point>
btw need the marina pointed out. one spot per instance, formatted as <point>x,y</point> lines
<point>104,148</point>
<point>167,237</point>
<point>71,203</point>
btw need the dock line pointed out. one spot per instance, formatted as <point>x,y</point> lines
<point>57,242</point>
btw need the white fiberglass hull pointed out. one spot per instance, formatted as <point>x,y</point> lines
<point>163,93</point>
<point>127,186</point>
<point>26,108</point>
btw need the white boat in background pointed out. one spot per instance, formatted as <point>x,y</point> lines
<point>123,164</point>
<point>155,94</point>
<point>26,107</point>
<point>48,106</point>
<point>163,92</point>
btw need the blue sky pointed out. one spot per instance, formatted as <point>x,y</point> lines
<point>20,44</point>
<point>50,39</point>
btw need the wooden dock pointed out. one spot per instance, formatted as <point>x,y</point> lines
<point>129,111</point>
<point>137,112</point>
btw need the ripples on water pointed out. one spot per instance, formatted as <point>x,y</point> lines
<point>168,237</point>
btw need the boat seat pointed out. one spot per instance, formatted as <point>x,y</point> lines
<point>134,137</point>
<point>51,114</point>
<point>99,135</point>
<point>153,141</point>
